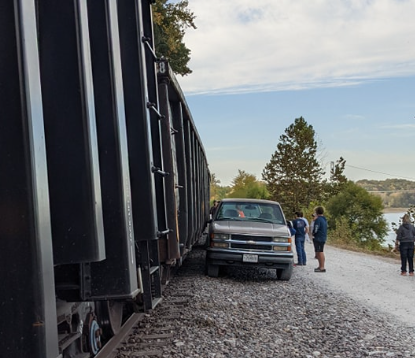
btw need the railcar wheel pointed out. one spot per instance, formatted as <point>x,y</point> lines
<point>92,334</point>
<point>110,315</point>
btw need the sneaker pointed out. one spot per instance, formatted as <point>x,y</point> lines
<point>403,273</point>
<point>411,274</point>
<point>318,269</point>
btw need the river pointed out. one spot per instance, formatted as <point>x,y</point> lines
<point>390,218</point>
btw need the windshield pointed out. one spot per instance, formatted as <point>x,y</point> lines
<point>250,211</point>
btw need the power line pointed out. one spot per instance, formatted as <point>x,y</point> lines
<point>374,171</point>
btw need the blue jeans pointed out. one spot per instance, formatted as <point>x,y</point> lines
<point>299,246</point>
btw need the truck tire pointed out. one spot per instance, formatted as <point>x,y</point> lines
<point>285,274</point>
<point>212,270</point>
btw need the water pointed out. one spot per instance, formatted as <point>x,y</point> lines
<point>390,218</point>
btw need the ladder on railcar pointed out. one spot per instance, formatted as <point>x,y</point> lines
<point>150,273</point>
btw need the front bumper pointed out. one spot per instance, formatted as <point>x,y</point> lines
<point>224,257</point>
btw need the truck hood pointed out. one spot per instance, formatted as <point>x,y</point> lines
<point>250,227</point>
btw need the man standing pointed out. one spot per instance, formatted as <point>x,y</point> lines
<point>320,238</point>
<point>300,231</point>
<point>213,208</point>
<point>307,229</point>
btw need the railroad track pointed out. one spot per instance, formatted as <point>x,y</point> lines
<point>151,334</point>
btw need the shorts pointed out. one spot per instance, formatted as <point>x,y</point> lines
<point>318,246</point>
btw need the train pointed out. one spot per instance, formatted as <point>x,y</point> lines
<point>104,180</point>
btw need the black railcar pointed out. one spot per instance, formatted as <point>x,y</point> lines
<point>104,184</point>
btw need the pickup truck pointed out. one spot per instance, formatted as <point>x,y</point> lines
<point>249,232</point>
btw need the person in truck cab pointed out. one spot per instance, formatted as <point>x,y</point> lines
<point>240,211</point>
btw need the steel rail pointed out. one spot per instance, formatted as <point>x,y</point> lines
<point>110,348</point>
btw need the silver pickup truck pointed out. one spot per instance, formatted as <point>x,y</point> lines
<point>249,232</point>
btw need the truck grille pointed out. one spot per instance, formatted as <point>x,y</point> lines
<point>251,238</point>
<point>252,247</point>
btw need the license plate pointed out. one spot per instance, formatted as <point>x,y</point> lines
<point>250,258</point>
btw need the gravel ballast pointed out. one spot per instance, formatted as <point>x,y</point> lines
<point>349,311</point>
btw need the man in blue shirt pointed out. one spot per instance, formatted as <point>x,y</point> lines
<point>300,227</point>
<point>320,238</point>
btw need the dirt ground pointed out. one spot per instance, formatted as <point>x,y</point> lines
<point>374,281</point>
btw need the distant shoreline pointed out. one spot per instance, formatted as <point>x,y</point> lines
<point>395,210</point>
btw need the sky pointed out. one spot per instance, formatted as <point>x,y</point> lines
<point>346,66</point>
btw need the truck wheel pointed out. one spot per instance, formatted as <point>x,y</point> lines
<point>285,274</point>
<point>212,270</point>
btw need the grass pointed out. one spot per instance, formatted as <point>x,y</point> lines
<point>384,252</point>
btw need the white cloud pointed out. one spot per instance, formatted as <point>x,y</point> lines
<point>399,126</point>
<point>244,46</point>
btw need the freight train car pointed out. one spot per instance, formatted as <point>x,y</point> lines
<point>104,184</point>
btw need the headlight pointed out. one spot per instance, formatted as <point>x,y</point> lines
<point>220,236</point>
<point>280,239</point>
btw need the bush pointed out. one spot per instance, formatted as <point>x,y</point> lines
<point>342,234</point>
<point>360,215</point>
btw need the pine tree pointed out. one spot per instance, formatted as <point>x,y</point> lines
<point>294,175</point>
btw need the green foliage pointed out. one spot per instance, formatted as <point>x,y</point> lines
<point>310,209</point>
<point>294,175</point>
<point>363,214</point>
<point>217,192</point>
<point>246,185</point>
<point>257,190</point>
<point>170,21</point>
<point>343,233</point>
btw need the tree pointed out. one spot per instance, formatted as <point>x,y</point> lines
<point>217,192</point>
<point>214,186</point>
<point>336,172</point>
<point>246,185</point>
<point>170,22</point>
<point>294,175</point>
<point>337,178</point>
<point>363,213</point>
